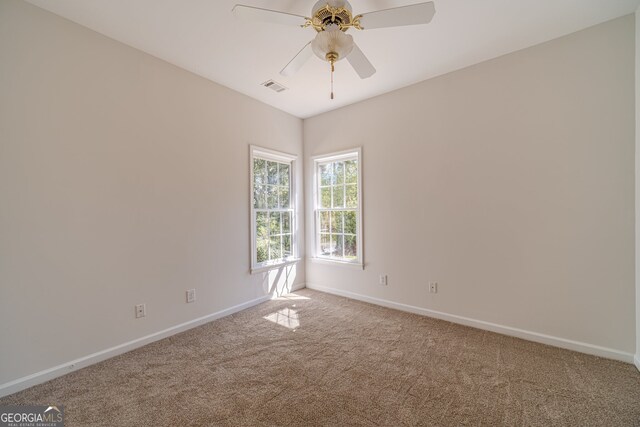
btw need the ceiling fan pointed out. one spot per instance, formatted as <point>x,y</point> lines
<point>331,19</point>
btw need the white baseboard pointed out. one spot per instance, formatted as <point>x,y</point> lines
<point>488,326</point>
<point>298,286</point>
<point>636,360</point>
<point>57,371</point>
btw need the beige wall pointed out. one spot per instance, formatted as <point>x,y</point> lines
<point>510,183</point>
<point>123,180</point>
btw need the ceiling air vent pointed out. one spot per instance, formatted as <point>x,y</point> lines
<point>274,86</point>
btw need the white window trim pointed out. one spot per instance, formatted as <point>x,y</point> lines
<point>265,153</point>
<point>332,157</point>
<point>337,262</point>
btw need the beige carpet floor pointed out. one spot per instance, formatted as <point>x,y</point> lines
<point>316,359</point>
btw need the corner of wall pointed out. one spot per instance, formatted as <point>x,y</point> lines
<point>637,190</point>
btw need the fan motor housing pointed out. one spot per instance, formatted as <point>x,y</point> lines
<point>326,12</point>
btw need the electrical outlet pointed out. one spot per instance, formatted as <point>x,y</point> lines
<point>433,287</point>
<point>382,280</point>
<point>191,295</point>
<point>141,310</point>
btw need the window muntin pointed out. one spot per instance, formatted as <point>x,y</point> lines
<point>273,216</point>
<point>337,208</point>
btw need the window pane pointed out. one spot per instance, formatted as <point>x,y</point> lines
<point>272,197</point>
<point>275,248</point>
<point>338,242</point>
<point>283,173</point>
<point>324,222</point>
<point>274,224</point>
<point>272,173</point>
<point>352,195</point>
<point>286,222</point>
<point>325,244</point>
<point>325,197</point>
<point>259,196</point>
<point>336,222</point>
<point>259,171</point>
<point>350,247</point>
<point>262,250</point>
<point>326,174</point>
<point>351,171</point>
<point>350,222</point>
<point>338,196</point>
<point>284,197</point>
<point>286,245</point>
<point>338,171</point>
<point>262,225</point>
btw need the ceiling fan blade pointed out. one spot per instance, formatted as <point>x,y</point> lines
<point>360,63</point>
<point>266,15</point>
<point>414,14</point>
<point>298,61</point>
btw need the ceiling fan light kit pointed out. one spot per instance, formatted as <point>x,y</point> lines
<point>332,45</point>
<point>331,19</point>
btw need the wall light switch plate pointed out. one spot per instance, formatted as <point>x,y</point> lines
<point>191,295</point>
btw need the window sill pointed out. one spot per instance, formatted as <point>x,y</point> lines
<point>327,261</point>
<point>269,267</point>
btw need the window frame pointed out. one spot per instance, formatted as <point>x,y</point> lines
<point>280,157</point>
<point>354,153</point>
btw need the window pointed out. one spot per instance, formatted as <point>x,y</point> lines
<point>338,213</point>
<point>273,214</point>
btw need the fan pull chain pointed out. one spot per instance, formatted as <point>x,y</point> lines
<point>332,70</point>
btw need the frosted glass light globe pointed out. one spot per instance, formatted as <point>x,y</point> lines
<point>332,41</point>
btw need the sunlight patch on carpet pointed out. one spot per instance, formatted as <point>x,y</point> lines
<point>291,297</point>
<point>285,317</point>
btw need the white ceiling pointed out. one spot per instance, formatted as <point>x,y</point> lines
<point>202,36</point>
